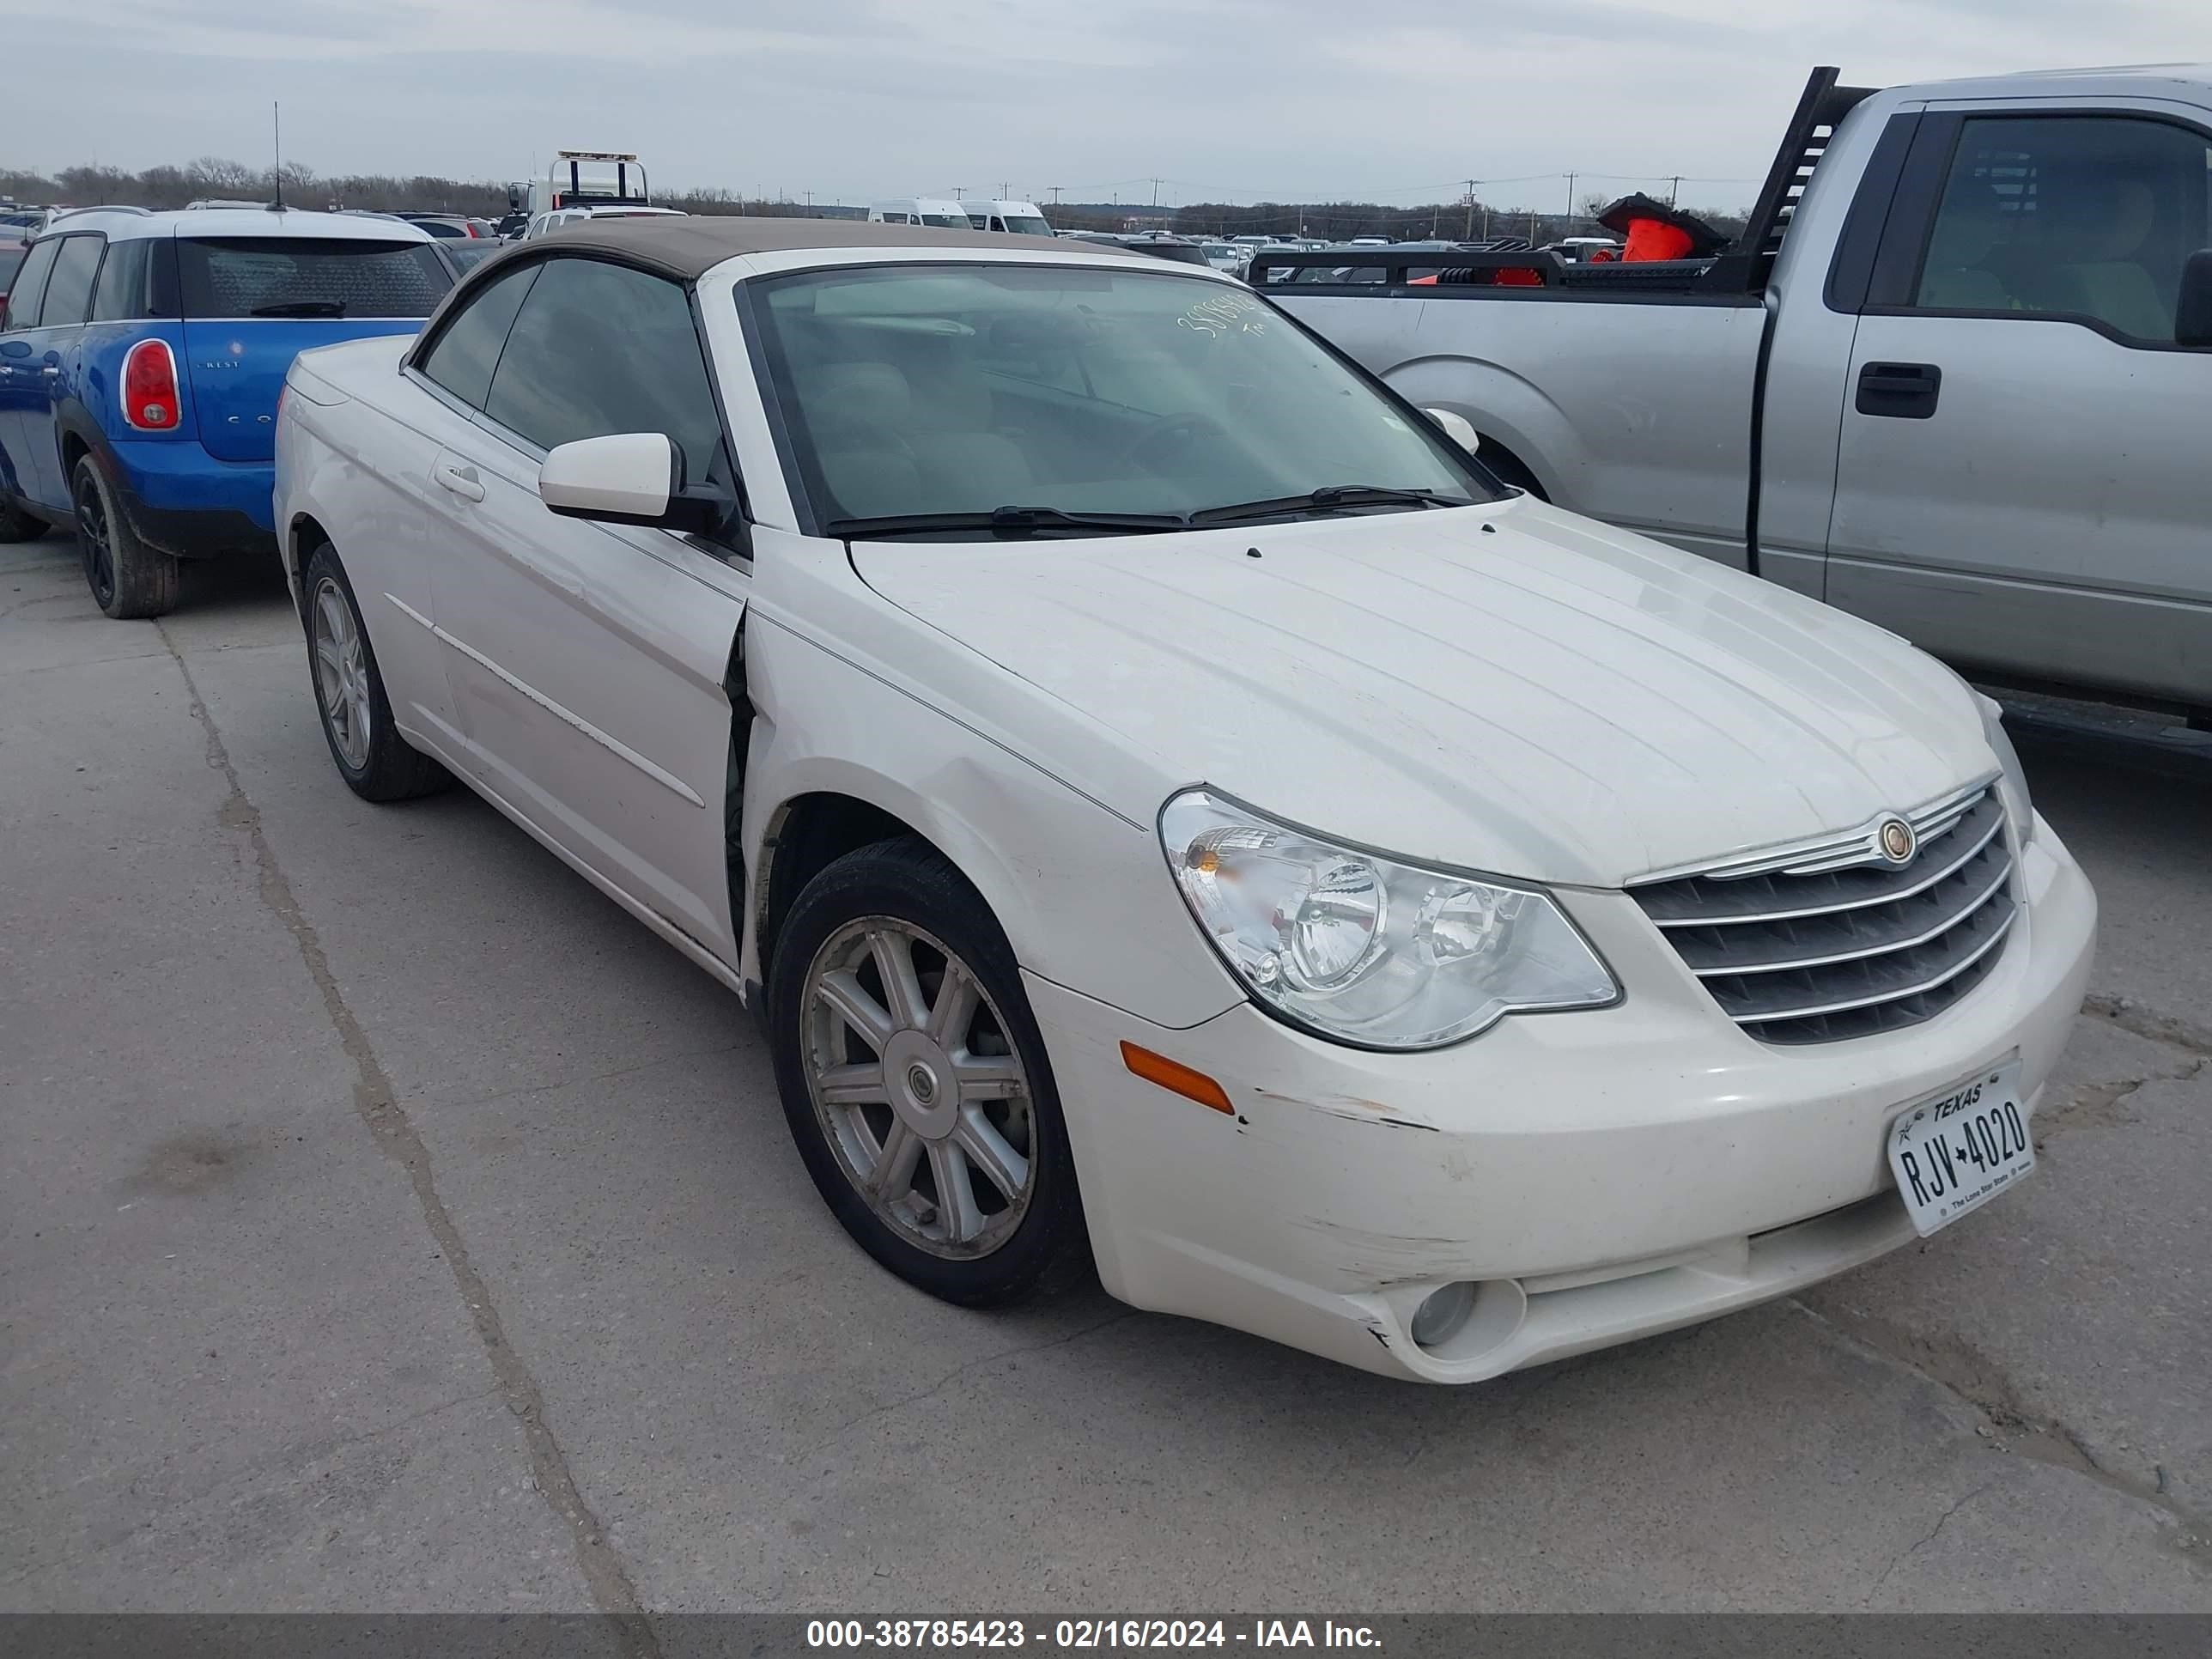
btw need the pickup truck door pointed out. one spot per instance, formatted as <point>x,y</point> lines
<point>2021,475</point>
<point>587,659</point>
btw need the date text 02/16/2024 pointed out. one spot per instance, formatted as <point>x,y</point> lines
<point>1080,1635</point>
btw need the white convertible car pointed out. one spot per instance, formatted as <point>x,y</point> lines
<point>1168,802</point>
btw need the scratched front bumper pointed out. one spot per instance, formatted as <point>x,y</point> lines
<point>1603,1175</point>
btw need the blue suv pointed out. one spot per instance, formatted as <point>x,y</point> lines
<point>141,358</point>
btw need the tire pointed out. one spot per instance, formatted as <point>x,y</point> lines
<point>129,579</point>
<point>1505,466</point>
<point>17,525</point>
<point>377,763</point>
<point>905,898</point>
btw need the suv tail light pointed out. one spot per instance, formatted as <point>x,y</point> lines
<point>149,387</point>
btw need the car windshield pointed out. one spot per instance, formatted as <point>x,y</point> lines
<point>330,276</point>
<point>1022,225</point>
<point>925,390</point>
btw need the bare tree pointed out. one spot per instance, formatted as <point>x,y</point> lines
<point>218,175</point>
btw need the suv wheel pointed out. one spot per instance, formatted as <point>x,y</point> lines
<point>17,525</point>
<point>377,763</point>
<point>915,1081</point>
<point>129,579</point>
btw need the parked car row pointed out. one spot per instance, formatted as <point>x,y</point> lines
<point>142,356</point>
<point>1168,802</point>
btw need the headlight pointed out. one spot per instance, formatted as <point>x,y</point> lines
<point>2012,786</point>
<point>1364,949</point>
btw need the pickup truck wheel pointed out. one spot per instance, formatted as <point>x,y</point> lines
<point>377,763</point>
<point>1505,466</point>
<point>18,526</point>
<point>129,579</point>
<point>915,1082</point>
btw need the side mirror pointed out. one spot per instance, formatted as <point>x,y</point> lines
<point>627,477</point>
<point>1458,427</point>
<point>2192,318</point>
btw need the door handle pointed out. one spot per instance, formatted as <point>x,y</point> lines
<point>1903,391</point>
<point>461,480</point>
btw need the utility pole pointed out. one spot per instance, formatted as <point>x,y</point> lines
<point>1674,186</point>
<point>1571,205</point>
<point>1470,213</point>
<point>1055,195</point>
<point>1156,193</point>
<point>1486,224</point>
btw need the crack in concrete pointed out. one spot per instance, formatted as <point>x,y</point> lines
<point>396,1137</point>
<point>292,1460</point>
<point>953,1376</point>
<point>1974,1380</point>
<point>2100,1104</point>
<point>2159,1028</point>
<point>1924,1540</point>
<point>458,1102</point>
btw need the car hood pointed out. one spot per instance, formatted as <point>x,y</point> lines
<point>1508,688</point>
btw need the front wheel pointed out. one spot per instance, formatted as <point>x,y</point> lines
<point>915,1081</point>
<point>129,579</point>
<point>19,525</point>
<point>377,763</point>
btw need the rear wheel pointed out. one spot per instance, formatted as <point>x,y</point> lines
<point>377,763</point>
<point>915,1081</point>
<point>129,579</point>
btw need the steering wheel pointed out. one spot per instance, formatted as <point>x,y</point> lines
<point>1180,424</point>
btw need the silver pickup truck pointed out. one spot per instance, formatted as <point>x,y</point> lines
<point>1956,376</point>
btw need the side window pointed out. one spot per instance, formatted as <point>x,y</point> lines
<point>598,348</point>
<point>121,293</point>
<point>468,347</point>
<point>69,290</point>
<point>2084,215</point>
<point>30,287</point>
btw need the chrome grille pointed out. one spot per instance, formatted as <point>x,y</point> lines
<point>1829,940</point>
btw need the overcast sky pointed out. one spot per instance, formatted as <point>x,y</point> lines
<point>1222,100</point>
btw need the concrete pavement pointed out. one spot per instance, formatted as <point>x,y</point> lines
<point>390,1223</point>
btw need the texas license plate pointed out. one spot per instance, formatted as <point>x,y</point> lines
<point>1959,1151</point>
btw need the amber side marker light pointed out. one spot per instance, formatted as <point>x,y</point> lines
<point>1178,1080</point>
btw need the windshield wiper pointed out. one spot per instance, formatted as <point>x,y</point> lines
<point>1006,521</point>
<point>1330,498</point>
<point>301,308</point>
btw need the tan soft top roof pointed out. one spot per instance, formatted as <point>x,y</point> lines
<point>686,247</point>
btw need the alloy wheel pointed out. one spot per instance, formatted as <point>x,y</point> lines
<point>917,1087</point>
<point>95,540</point>
<point>340,673</point>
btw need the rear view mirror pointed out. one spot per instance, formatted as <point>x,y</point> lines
<point>626,477</point>
<point>2192,319</point>
<point>1458,427</point>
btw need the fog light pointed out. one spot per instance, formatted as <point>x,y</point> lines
<point>1440,1315</point>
